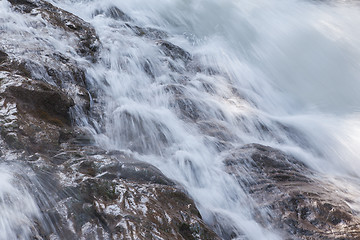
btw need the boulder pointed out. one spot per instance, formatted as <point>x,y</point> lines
<point>303,206</point>
<point>173,51</point>
<point>111,195</point>
<point>88,43</point>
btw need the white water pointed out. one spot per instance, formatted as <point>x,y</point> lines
<point>17,205</point>
<point>296,64</point>
<point>24,199</point>
<point>292,63</point>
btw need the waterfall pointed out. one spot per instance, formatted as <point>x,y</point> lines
<point>184,82</point>
<point>278,73</point>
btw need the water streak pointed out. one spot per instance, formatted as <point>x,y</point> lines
<point>18,207</point>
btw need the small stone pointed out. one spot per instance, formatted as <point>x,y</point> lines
<point>3,56</point>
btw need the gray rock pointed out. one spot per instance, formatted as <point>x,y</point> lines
<point>173,51</point>
<point>137,200</point>
<point>151,33</point>
<point>88,44</point>
<point>115,13</point>
<point>300,204</point>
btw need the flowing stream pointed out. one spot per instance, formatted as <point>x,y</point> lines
<point>279,73</point>
<point>272,66</point>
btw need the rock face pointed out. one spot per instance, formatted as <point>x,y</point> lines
<point>303,206</point>
<point>34,115</point>
<point>88,43</point>
<point>91,193</point>
<point>110,195</point>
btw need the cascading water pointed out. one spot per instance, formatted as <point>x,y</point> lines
<point>279,73</point>
<point>18,206</point>
<point>271,66</point>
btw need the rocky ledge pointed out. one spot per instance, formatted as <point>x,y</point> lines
<point>91,193</point>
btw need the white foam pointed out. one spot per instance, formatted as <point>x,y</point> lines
<point>281,63</point>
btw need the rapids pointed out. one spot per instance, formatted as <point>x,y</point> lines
<point>280,63</point>
<point>282,73</point>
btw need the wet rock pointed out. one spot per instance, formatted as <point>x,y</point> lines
<point>187,108</point>
<point>148,68</point>
<point>176,90</point>
<point>151,33</point>
<point>103,194</point>
<point>268,161</point>
<point>91,193</point>
<point>145,211</point>
<point>137,171</point>
<point>141,202</point>
<point>21,67</point>
<point>39,59</point>
<point>115,13</point>
<point>304,206</point>
<point>23,5</point>
<point>33,113</point>
<point>95,194</point>
<point>78,137</point>
<point>42,100</point>
<point>133,132</point>
<point>3,56</point>
<point>81,97</point>
<point>216,130</point>
<point>88,43</point>
<point>173,51</point>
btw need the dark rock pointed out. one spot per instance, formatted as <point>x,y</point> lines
<point>216,130</point>
<point>53,85</point>
<point>115,13</point>
<point>269,162</point>
<point>148,69</point>
<point>88,44</point>
<point>88,168</point>
<point>20,67</point>
<point>122,205</point>
<point>137,171</point>
<point>187,107</point>
<point>176,90</point>
<point>23,2</point>
<point>151,33</point>
<point>132,124</point>
<point>305,207</point>
<point>185,231</point>
<point>73,74</point>
<point>173,51</point>
<point>3,56</point>
<point>42,101</point>
<point>23,5</point>
<point>39,113</point>
<point>78,137</point>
